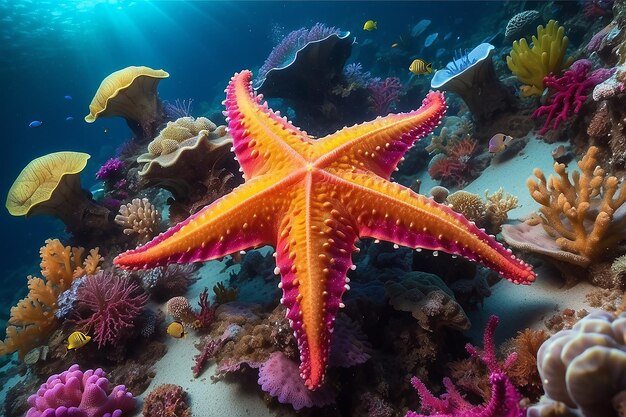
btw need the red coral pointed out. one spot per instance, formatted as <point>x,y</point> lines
<point>569,92</point>
<point>112,304</point>
<point>166,400</point>
<point>207,311</point>
<point>455,166</point>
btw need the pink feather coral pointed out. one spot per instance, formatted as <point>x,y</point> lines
<point>76,394</point>
<point>504,400</point>
<point>113,303</point>
<point>570,92</point>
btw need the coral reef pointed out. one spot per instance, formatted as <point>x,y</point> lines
<point>455,166</point>
<point>33,319</point>
<point>473,77</point>
<point>583,368</point>
<point>50,185</point>
<point>130,93</point>
<point>192,159</point>
<point>580,222</point>
<point>166,400</point>
<point>569,92</point>
<point>504,400</point>
<point>140,218</point>
<point>181,310</point>
<point>170,281</point>
<point>519,24</point>
<point>108,305</point>
<point>80,394</point>
<point>384,94</point>
<point>547,56</point>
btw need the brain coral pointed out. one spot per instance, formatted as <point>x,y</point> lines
<point>585,368</point>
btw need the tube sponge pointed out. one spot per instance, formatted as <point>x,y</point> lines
<point>547,56</point>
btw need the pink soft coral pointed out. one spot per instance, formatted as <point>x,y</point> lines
<point>504,400</point>
<point>77,394</point>
<point>280,377</point>
<point>384,94</point>
<point>113,303</point>
<point>570,92</point>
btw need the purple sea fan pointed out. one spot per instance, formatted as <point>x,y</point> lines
<point>384,94</point>
<point>111,304</point>
<point>284,53</point>
<point>110,170</point>
<point>354,74</point>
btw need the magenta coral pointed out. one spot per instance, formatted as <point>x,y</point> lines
<point>504,400</point>
<point>454,167</point>
<point>76,394</point>
<point>111,170</point>
<point>570,92</point>
<point>113,304</point>
<point>384,94</point>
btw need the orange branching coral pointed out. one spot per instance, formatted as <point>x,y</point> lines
<point>579,218</point>
<point>32,319</point>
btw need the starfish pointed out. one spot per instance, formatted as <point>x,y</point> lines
<point>311,200</point>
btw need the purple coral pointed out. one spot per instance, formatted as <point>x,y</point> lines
<point>285,51</point>
<point>111,170</point>
<point>384,94</point>
<point>504,401</point>
<point>76,394</point>
<point>280,377</point>
<point>570,92</point>
<point>112,302</point>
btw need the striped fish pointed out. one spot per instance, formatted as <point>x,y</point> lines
<point>419,67</point>
<point>77,340</point>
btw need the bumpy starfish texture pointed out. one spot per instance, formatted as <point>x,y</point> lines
<point>311,199</point>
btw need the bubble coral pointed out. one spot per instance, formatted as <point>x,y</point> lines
<point>585,368</point>
<point>130,93</point>
<point>74,393</point>
<point>140,218</point>
<point>109,305</point>
<point>50,185</point>
<point>547,56</point>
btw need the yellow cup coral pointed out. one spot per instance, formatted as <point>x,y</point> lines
<point>547,55</point>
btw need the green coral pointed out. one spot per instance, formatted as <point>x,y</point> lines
<point>547,56</point>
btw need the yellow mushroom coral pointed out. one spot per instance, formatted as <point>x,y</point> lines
<point>51,185</point>
<point>130,93</point>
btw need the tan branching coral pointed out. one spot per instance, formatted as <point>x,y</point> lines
<point>497,207</point>
<point>579,221</point>
<point>32,320</point>
<point>139,217</point>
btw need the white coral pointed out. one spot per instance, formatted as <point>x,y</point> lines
<point>139,217</point>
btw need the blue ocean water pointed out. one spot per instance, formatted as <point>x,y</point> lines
<point>51,49</point>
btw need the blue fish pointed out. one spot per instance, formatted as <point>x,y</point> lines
<point>68,98</point>
<point>69,118</point>
<point>35,123</point>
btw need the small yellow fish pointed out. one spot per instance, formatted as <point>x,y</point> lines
<point>77,340</point>
<point>393,45</point>
<point>176,329</point>
<point>369,25</point>
<point>499,142</point>
<point>419,67</point>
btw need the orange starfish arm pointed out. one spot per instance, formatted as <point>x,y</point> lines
<point>240,220</point>
<point>391,212</point>
<point>262,140</point>
<point>313,255</point>
<point>378,146</point>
